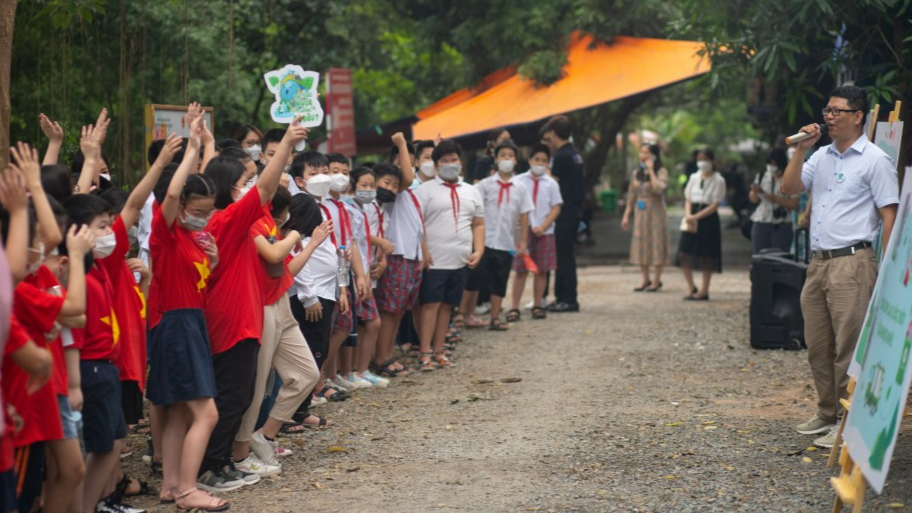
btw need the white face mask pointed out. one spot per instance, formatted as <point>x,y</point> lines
<point>33,267</point>
<point>338,182</point>
<point>241,192</point>
<point>538,170</point>
<point>450,172</point>
<point>506,166</point>
<point>255,151</point>
<point>104,245</point>
<point>771,169</point>
<point>318,186</point>
<point>704,166</point>
<point>193,223</point>
<point>281,223</point>
<point>427,169</point>
<point>365,197</point>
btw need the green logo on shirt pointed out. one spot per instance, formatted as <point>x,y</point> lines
<point>840,177</point>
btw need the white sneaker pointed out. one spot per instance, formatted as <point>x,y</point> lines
<point>253,465</point>
<point>357,382</point>
<point>482,308</point>
<point>264,449</point>
<point>530,305</point>
<point>317,401</point>
<point>340,382</point>
<point>375,380</point>
<point>283,451</point>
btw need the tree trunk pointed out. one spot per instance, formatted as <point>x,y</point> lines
<point>7,21</point>
<point>608,130</point>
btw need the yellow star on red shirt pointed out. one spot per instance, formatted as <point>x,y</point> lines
<point>111,321</point>
<point>203,269</point>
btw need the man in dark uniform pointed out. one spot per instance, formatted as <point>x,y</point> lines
<point>567,168</point>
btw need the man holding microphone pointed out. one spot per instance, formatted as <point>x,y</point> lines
<point>853,184</point>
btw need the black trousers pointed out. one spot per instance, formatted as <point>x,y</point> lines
<point>235,379</point>
<point>565,229</point>
<point>317,336</point>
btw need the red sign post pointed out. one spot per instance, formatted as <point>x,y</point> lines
<point>340,112</point>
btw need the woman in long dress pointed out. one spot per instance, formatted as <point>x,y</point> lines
<point>646,199</point>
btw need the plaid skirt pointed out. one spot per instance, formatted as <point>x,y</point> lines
<point>398,287</point>
<point>367,310</point>
<point>543,252</point>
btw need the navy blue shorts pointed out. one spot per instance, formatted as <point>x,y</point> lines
<point>443,285</point>
<point>8,491</point>
<point>180,359</point>
<point>102,412</point>
<point>493,271</point>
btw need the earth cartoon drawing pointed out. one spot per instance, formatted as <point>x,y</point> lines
<point>295,93</point>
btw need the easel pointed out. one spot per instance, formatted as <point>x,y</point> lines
<point>850,485</point>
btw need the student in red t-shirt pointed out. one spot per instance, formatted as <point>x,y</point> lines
<point>181,382</point>
<point>234,309</point>
<point>282,346</point>
<point>129,300</point>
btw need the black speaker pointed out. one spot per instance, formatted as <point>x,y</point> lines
<point>775,309</point>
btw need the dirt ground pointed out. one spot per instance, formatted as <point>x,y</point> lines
<point>642,402</point>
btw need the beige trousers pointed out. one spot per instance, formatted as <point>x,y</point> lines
<point>833,302</point>
<point>283,347</point>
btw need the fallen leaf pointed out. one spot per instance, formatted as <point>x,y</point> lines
<point>811,449</point>
<point>806,459</point>
<point>482,381</point>
<point>353,469</point>
<point>336,448</point>
<point>318,486</point>
<point>669,476</point>
<point>709,422</point>
<point>675,424</point>
<point>710,428</point>
<point>896,505</point>
<point>511,380</point>
<point>454,401</point>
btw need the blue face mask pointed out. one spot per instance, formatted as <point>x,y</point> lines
<point>348,200</point>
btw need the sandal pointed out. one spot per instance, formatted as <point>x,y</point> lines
<point>220,504</point>
<point>144,488</point>
<point>459,321</point>
<point>643,287</point>
<point>443,361</point>
<point>474,322</point>
<point>414,351</point>
<point>425,362</point>
<point>141,429</point>
<point>539,313</point>
<point>513,315</point>
<point>497,325</point>
<point>338,396</point>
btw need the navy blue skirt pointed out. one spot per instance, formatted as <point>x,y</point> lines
<point>180,359</point>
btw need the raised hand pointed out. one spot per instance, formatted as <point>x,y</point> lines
<point>196,130</point>
<point>321,232</point>
<point>169,150</point>
<point>296,132</point>
<point>26,160</point>
<point>211,251</point>
<point>101,127</point>
<point>13,194</point>
<point>90,141</point>
<point>137,266</point>
<point>51,129</point>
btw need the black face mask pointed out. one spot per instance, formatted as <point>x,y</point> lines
<point>385,195</point>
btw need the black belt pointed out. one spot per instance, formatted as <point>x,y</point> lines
<point>827,254</point>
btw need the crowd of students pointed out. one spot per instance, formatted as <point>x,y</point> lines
<point>237,286</point>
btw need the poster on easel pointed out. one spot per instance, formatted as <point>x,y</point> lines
<point>884,375</point>
<point>888,137</point>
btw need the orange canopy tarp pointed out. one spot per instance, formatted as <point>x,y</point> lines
<point>593,75</point>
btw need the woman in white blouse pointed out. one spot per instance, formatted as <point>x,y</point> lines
<point>701,231</point>
<point>772,220</point>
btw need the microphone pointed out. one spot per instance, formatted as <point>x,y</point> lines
<point>800,136</point>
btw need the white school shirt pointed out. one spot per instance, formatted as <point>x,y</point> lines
<point>548,197</point>
<point>379,221</point>
<point>336,217</point>
<point>704,191</point>
<point>360,225</point>
<point>848,189</point>
<point>449,230</point>
<point>502,220</point>
<point>320,275</point>
<point>406,225</point>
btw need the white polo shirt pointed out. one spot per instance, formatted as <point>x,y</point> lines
<point>406,226</point>
<point>547,197</point>
<point>449,221</point>
<point>503,204</point>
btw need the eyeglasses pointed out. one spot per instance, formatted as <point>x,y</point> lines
<point>826,111</point>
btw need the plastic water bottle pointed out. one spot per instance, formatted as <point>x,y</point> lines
<point>344,266</point>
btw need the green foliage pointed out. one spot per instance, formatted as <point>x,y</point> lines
<point>803,48</point>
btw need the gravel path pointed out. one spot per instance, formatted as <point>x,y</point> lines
<point>640,403</point>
